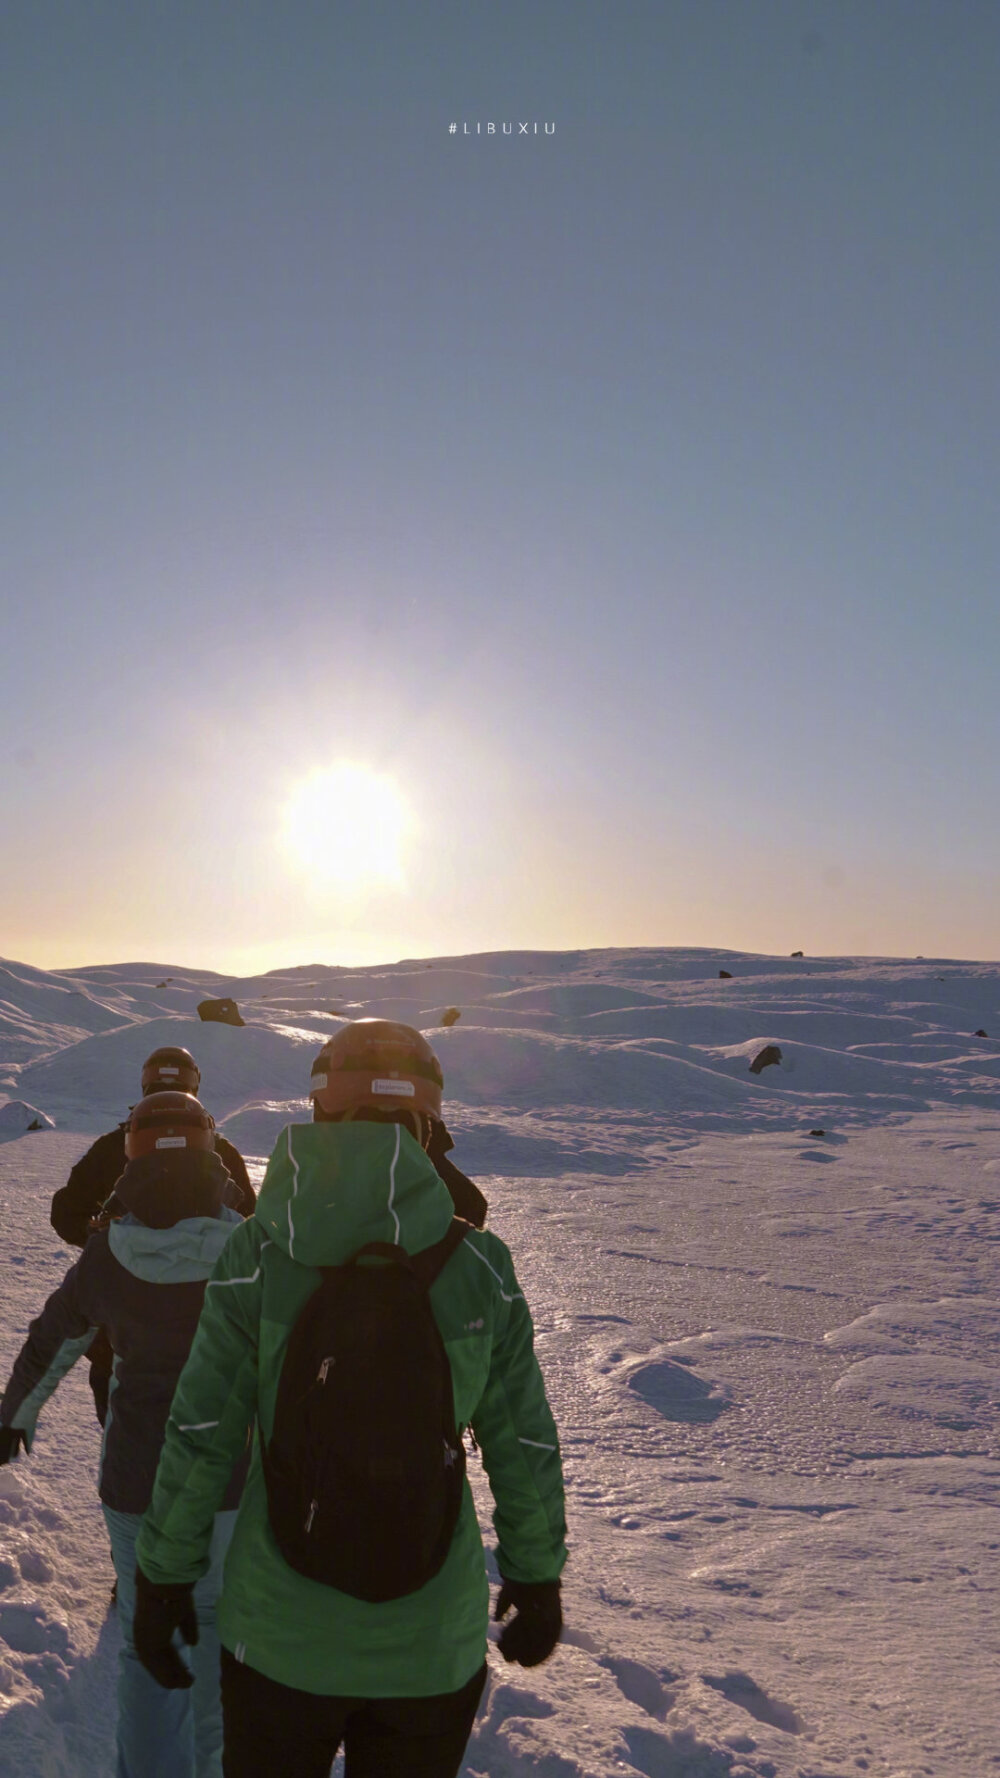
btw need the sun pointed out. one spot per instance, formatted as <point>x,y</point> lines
<point>346,824</point>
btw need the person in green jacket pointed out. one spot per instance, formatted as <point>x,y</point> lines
<point>307,1668</point>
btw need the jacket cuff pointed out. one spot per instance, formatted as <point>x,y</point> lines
<point>175,1592</point>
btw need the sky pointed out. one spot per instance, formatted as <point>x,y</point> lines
<point>610,509</point>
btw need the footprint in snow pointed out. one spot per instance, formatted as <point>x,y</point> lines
<point>30,1630</point>
<point>643,1686</point>
<point>35,1567</point>
<point>507,1701</point>
<point>640,1685</point>
<point>575,1638</point>
<point>683,1755</point>
<point>12,1494</point>
<point>677,1392</point>
<point>747,1695</point>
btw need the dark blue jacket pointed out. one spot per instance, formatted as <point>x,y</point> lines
<point>143,1280</point>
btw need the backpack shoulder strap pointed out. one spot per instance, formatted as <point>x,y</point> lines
<point>431,1260</point>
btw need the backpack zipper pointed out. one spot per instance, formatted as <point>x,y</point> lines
<point>312,1514</point>
<point>324,1367</point>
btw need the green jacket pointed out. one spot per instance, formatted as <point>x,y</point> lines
<point>329,1189</point>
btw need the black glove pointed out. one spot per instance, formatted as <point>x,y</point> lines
<point>159,1611</point>
<point>531,1636</point>
<point>11,1440</point>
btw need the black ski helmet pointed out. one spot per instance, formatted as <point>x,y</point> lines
<point>166,1121</point>
<point>380,1065</point>
<point>170,1071</point>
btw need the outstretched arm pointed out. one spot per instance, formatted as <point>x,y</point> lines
<point>56,1339</point>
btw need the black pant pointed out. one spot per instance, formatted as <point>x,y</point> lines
<point>273,1729</point>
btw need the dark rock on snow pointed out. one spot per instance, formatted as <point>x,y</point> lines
<point>765,1058</point>
<point>17,1117</point>
<point>219,1012</point>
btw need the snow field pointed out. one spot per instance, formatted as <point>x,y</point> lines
<point>772,1355</point>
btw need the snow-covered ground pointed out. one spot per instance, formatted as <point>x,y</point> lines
<point>767,1315</point>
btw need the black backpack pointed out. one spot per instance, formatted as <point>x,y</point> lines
<point>365,1468</point>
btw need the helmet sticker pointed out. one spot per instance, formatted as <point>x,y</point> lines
<point>160,1069</point>
<point>399,1089</point>
<point>171,1141</point>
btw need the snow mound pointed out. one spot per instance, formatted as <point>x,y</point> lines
<point>16,1117</point>
<point>730,1337</point>
<point>575,1000</point>
<point>952,1392</point>
<point>255,1128</point>
<point>901,1328</point>
<point>520,1067</point>
<point>59,1000</point>
<point>812,1069</point>
<point>415,982</point>
<point>94,1080</point>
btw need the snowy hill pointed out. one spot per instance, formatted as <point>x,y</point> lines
<point>611,1031</point>
<point>766,1309</point>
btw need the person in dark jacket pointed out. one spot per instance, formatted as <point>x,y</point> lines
<point>142,1278</point>
<point>92,1181</point>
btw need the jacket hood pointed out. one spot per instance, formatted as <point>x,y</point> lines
<point>183,1254</point>
<point>331,1188</point>
<point>162,1189</point>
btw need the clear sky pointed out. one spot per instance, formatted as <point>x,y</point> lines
<point>619,504</point>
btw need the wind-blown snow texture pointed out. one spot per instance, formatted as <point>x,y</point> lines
<point>766,1310</point>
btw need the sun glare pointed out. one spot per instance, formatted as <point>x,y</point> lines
<point>345,824</point>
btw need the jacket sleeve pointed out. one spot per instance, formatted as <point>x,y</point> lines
<point>91,1181</point>
<point>517,1436</point>
<point>465,1195</point>
<point>56,1339</point>
<point>212,1411</point>
<point>232,1160</point>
